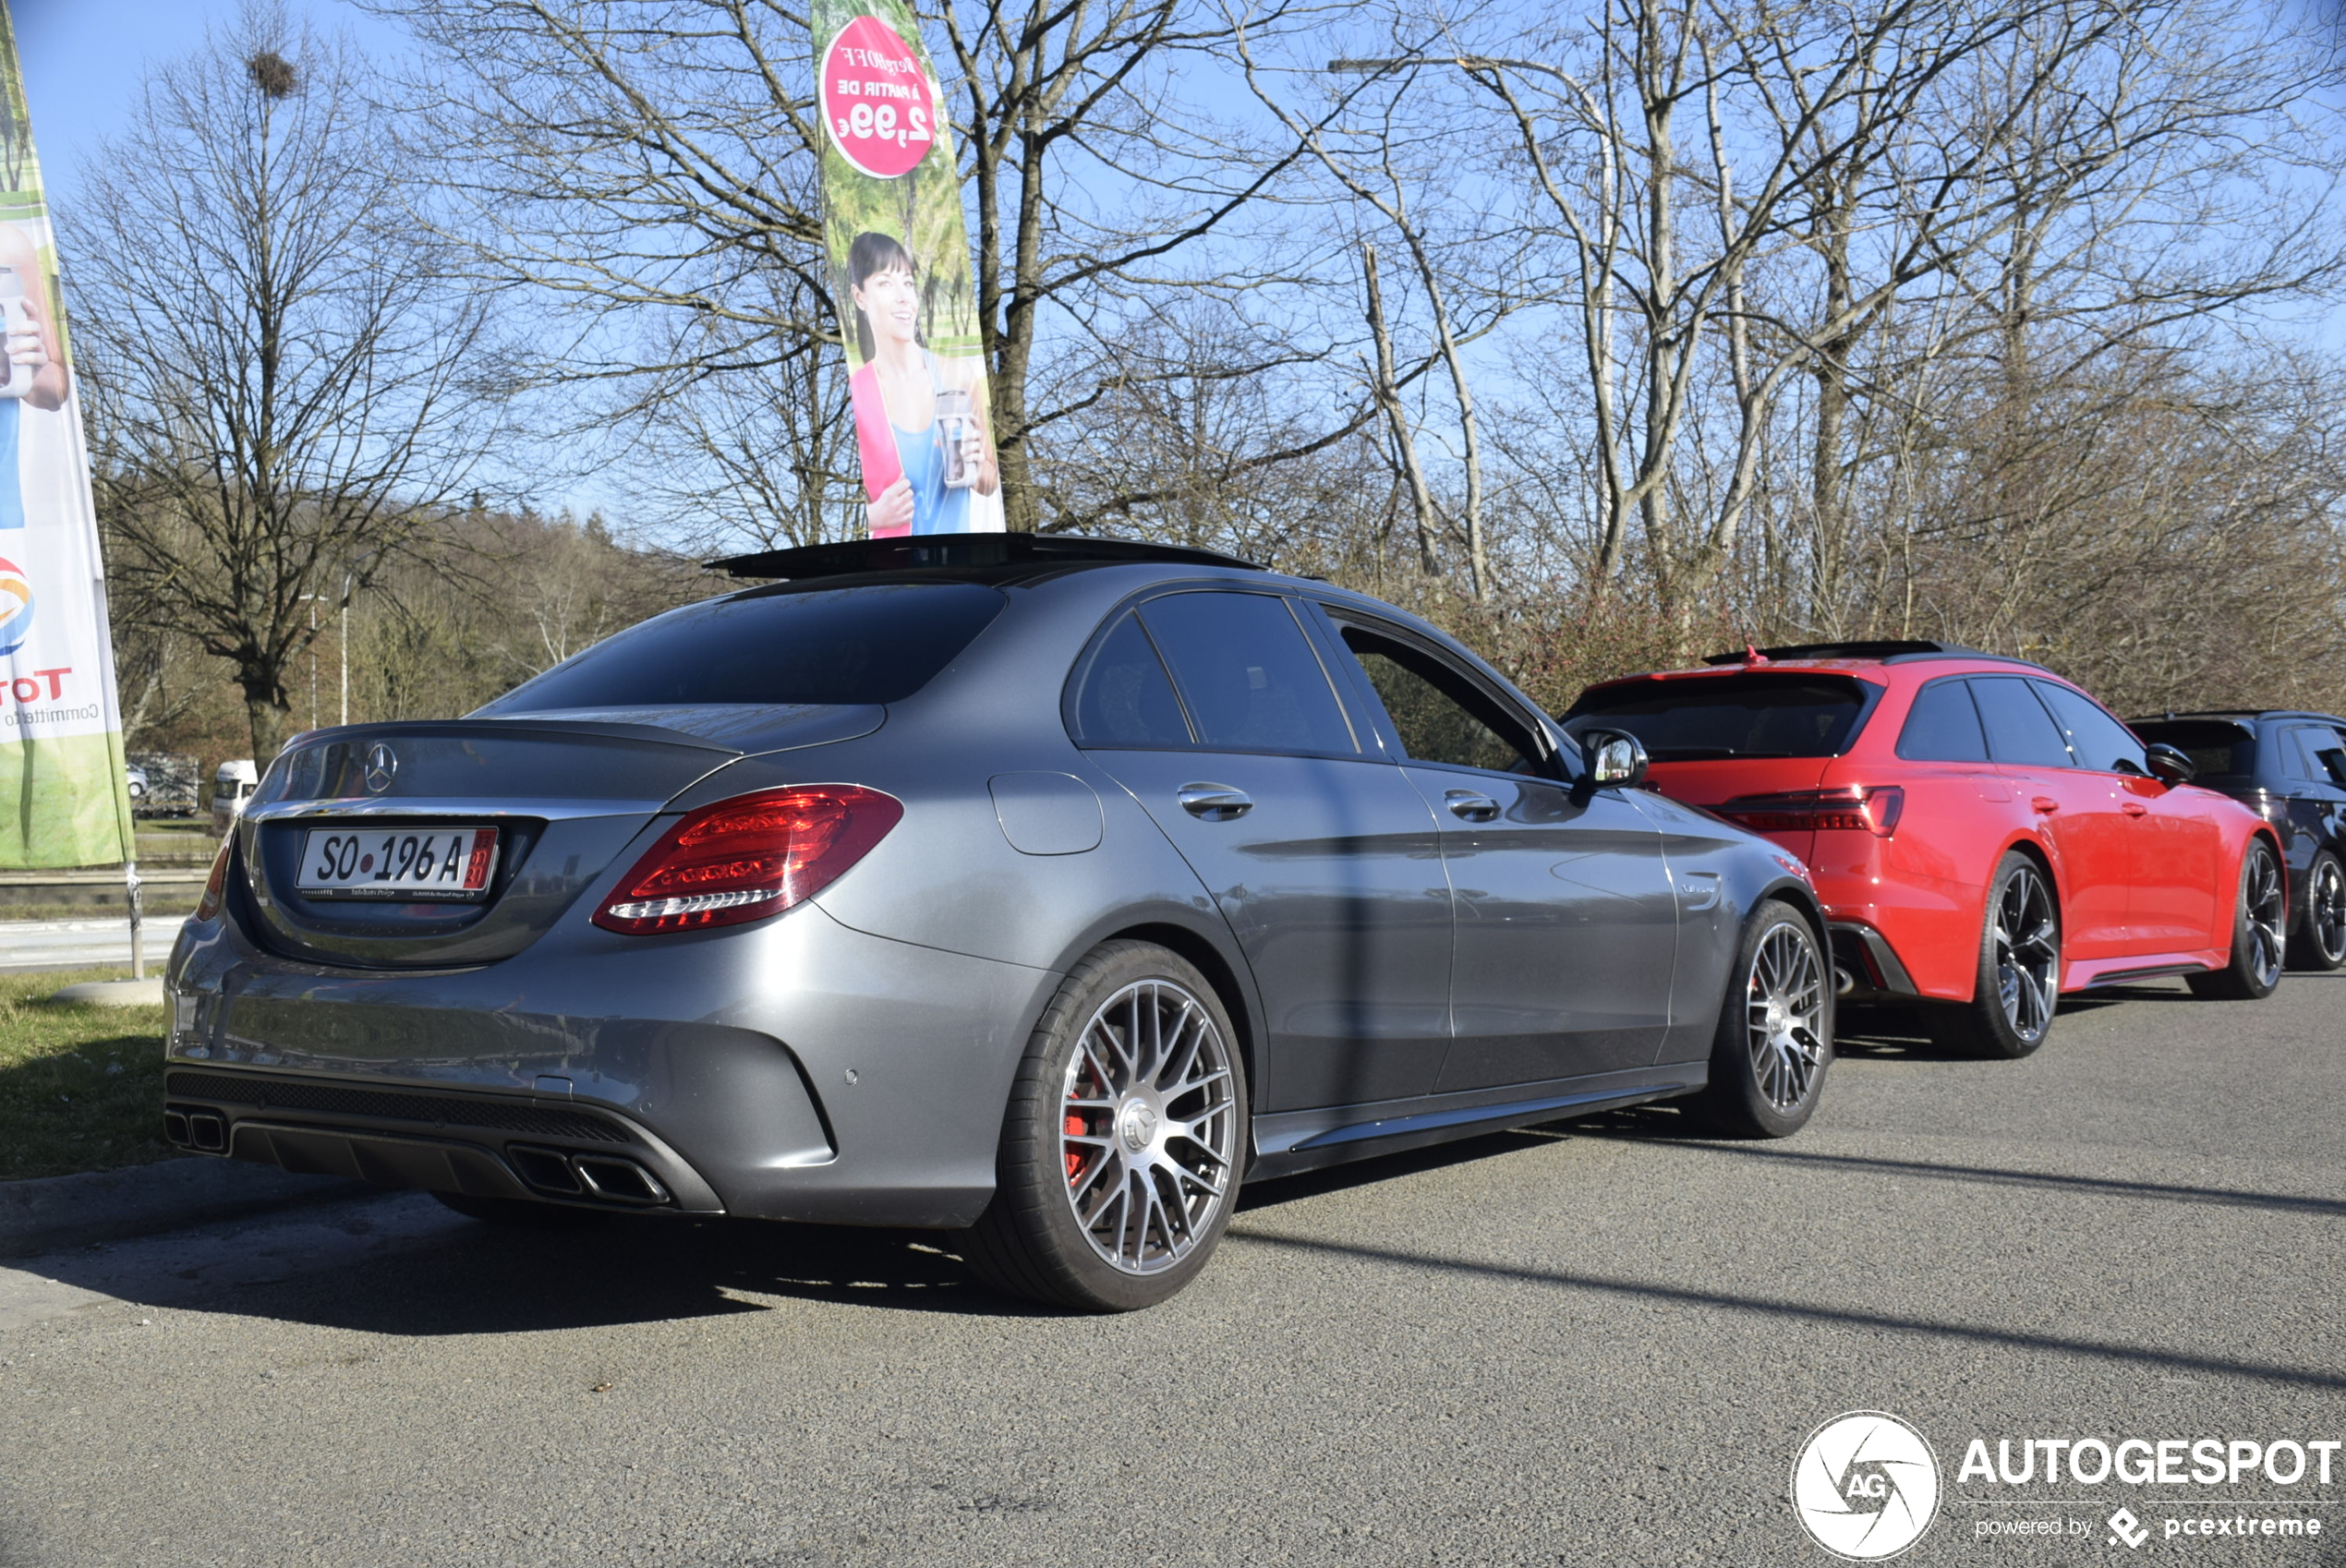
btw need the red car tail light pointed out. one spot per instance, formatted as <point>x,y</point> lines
<point>216,885</point>
<point>748,858</point>
<point>1873,809</point>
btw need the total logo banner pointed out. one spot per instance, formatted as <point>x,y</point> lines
<point>1868,1485</point>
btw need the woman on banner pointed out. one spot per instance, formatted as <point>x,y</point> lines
<point>34,368</point>
<point>899,396</point>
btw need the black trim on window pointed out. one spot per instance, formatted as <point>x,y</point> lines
<point>1070,693</point>
<point>1549,761</point>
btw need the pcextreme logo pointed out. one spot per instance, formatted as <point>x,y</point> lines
<point>1865,1485</point>
<point>15,607</point>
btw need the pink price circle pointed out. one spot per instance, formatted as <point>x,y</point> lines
<point>877,99</point>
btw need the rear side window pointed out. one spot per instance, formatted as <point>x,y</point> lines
<point>2096,740</point>
<point>2328,750</point>
<point>1246,673</point>
<point>1943,726</point>
<point>1126,698</point>
<point>2312,741</point>
<point>871,643</point>
<point>2019,729</point>
<point>1731,716</point>
<point>2220,752</point>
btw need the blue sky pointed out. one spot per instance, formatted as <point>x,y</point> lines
<point>84,60</point>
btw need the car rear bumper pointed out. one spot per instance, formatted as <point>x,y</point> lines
<point>794,1070</point>
<point>1866,956</point>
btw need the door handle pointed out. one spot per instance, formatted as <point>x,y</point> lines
<point>1213,802</point>
<point>2046,805</point>
<point>1471,804</point>
<point>2134,808</point>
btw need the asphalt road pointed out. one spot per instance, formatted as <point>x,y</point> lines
<point>1600,1342</point>
<point>79,944</point>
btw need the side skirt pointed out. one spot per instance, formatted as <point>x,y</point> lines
<point>1288,1142</point>
<point>2126,972</point>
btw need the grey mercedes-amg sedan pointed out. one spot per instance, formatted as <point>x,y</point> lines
<point>1040,890</point>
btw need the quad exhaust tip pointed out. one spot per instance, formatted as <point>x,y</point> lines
<point>206,1132</point>
<point>604,1178</point>
<point>551,1173</point>
<point>1843,981</point>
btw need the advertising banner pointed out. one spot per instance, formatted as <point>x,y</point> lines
<point>63,799</point>
<point>899,266</point>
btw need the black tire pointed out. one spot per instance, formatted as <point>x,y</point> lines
<point>2320,941</point>
<point>1774,1040</point>
<point>2260,916</point>
<point>1087,1125</point>
<point>2017,985</point>
<point>520,1213</point>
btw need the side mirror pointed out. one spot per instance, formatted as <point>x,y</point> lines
<point>2167,764</point>
<point>1616,761</point>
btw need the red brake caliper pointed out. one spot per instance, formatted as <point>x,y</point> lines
<point>1076,1126</point>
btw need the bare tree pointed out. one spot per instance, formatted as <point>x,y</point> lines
<point>644,158</point>
<point>284,382</point>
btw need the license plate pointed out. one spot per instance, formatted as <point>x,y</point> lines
<point>429,862</point>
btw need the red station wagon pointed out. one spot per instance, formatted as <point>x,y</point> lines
<point>1985,836</point>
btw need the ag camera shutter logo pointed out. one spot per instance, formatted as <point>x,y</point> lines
<point>1865,1485</point>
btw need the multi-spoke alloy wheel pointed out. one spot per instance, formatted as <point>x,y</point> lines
<point>2260,928</point>
<point>1124,1140</point>
<point>2026,939</point>
<point>2017,984</point>
<point>1785,1004</point>
<point>1150,1124</point>
<point>1774,1038</point>
<point>2268,915</point>
<point>2322,943</point>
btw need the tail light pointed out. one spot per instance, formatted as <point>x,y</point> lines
<point>748,858</point>
<point>216,885</point>
<point>1873,809</point>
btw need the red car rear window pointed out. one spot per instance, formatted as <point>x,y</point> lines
<point>1748,715</point>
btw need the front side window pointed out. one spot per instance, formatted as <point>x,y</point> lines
<point>1703,717</point>
<point>869,643</point>
<point>2096,740</point>
<point>1943,726</point>
<point>1247,674</point>
<point>2019,729</point>
<point>1440,716</point>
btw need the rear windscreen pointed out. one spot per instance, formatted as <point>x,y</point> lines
<point>1731,716</point>
<point>870,642</point>
<point>2219,751</point>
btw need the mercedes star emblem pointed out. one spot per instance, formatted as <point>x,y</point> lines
<point>382,764</point>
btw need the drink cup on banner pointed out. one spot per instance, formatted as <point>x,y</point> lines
<point>21,335</point>
<point>954,427</point>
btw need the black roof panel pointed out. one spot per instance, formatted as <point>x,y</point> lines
<point>962,551</point>
<point>1891,650</point>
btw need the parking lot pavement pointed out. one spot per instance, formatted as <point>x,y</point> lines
<point>1598,1342</point>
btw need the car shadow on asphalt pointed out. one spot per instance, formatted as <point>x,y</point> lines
<point>466,1277</point>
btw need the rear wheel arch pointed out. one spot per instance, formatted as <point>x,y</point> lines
<point>2272,841</point>
<point>1236,997</point>
<point>2037,853</point>
<point>2019,844</point>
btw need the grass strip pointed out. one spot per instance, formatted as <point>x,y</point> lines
<point>81,1086</point>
